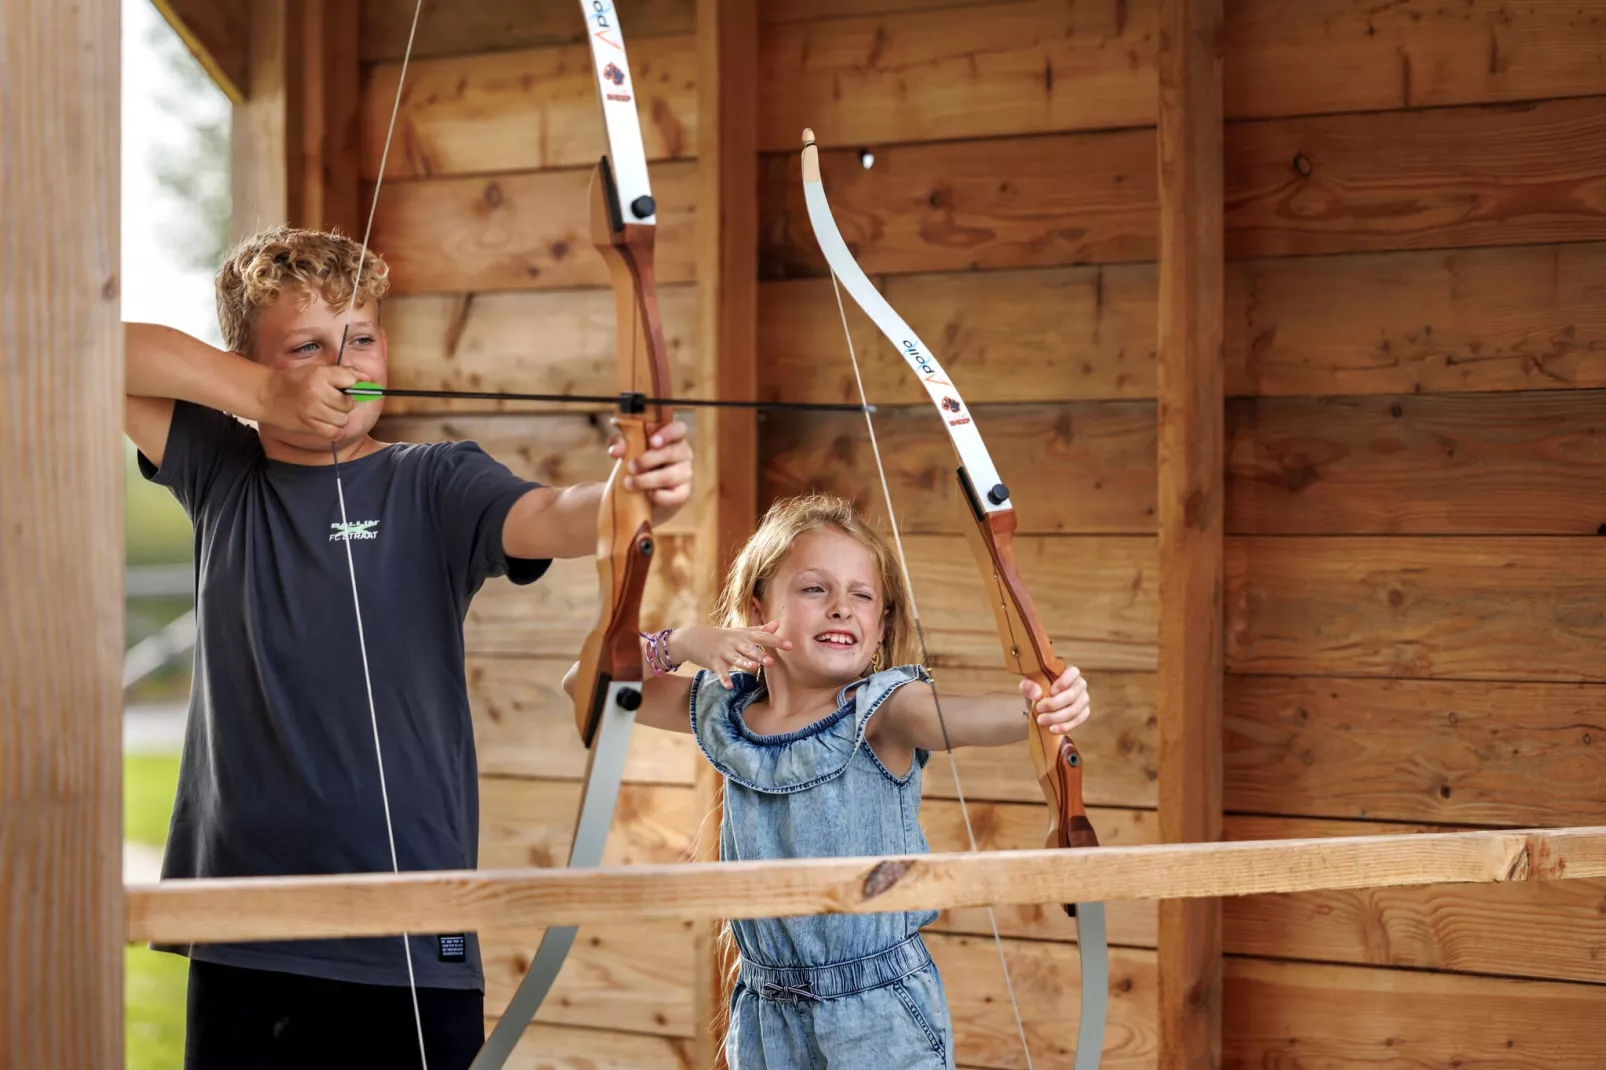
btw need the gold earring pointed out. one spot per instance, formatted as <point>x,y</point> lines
<point>875,660</point>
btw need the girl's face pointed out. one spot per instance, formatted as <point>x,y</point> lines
<point>827,597</point>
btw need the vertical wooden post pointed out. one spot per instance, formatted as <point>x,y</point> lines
<point>295,136</point>
<point>61,537</point>
<point>1191,488</point>
<point>727,291</point>
<point>259,179</point>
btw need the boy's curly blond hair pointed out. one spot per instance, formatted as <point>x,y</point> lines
<point>318,262</point>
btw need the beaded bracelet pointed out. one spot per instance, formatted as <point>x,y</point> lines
<point>658,652</point>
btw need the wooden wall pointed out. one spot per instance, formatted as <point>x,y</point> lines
<point>1416,230</point>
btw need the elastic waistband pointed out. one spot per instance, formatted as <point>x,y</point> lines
<point>791,984</point>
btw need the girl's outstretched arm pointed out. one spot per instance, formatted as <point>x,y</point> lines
<point>992,720</point>
<point>665,700</point>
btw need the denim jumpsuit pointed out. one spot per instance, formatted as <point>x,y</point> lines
<point>835,991</point>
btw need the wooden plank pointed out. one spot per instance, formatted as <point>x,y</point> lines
<point>1418,322</point>
<point>1017,826</point>
<point>1497,319</point>
<point>216,34</point>
<point>782,11</point>
<point>1047,984</point>
<point>293,143</point>
<point>259,133</point>
<point>558,451</point>
<point>1095,592</point>
<point>1080,468</point>
<point>1462,465</point>
<point>633,977</point>
<point>1189,407</point>
<point>1477,608</point>
<point>1499,464</point>
<point>325,133</point>
<point>1320,56</point>
<point>553,615</point>
<point>1020,336</point>
<point>365,904</point>
<point>525,110</point>
<point>545,342</point>
<point>1118,745</point>
<point>1548,931</point>
<point>990,70</point>
<point>886,73</point>
<point>489,25</point>
<point>522,231</point>
<point>1005,203</point>
<point>560,1047</point>
<point>1442,178</point>
<point>531,822</point>
<point>524,727</point>
<point>1462,752</point>
<point>61,560</point>
<point>1415,53</point>
<point>1319,1015</point>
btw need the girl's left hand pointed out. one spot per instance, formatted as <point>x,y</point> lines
<point>1066,705</point>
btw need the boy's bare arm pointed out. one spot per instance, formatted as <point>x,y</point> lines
<point>562,521</point>
<point>163,365</point>
<point>555,522</point>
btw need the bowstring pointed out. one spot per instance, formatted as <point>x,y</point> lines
<point>925,658</point>
<point>345,528</point>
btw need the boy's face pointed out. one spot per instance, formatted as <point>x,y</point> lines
<point>298,329</point>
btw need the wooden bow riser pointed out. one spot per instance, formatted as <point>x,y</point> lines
<point>612,650</point>
<point>627,250</point>
<point>625,543</point>
<point>1029,652</point>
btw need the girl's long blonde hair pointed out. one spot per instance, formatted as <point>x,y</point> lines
<point>760,558</point>
<point>783,523</point>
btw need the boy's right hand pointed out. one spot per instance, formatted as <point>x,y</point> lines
<point>721,650</point>
<point>308,398</point>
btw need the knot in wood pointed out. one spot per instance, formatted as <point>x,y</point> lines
<point>884,876</point>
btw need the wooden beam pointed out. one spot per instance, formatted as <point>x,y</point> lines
<point>727,441</point>
<point>61,557</point>
<point>379,904</point>
<point>296,141</point>
<point>218,35</point>
<point>1190,504</point>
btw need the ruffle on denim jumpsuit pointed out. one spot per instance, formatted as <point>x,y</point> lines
<point>838,991</point>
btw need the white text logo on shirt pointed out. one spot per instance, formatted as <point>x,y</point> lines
<point>361,529</point>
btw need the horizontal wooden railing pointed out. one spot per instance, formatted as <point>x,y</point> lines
<point>274,908</point>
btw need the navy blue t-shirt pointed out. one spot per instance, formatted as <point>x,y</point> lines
<point>279,774</point>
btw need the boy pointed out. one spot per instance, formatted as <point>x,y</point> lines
<point>279,773</point>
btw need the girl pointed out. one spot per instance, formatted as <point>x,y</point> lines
<point>812,706</point>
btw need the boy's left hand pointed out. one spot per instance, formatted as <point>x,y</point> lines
<point>663,472</point>
<point>1066,705</point>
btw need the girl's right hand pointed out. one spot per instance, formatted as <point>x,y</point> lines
<point>720,650</point>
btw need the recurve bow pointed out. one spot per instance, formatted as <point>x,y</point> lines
<point>1028,651</point>
<point>608,684</point>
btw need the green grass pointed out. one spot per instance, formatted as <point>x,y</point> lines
<point>154,988</point>
<point>155,983</point>
<point>149,781</point>
<point>155,529</point>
